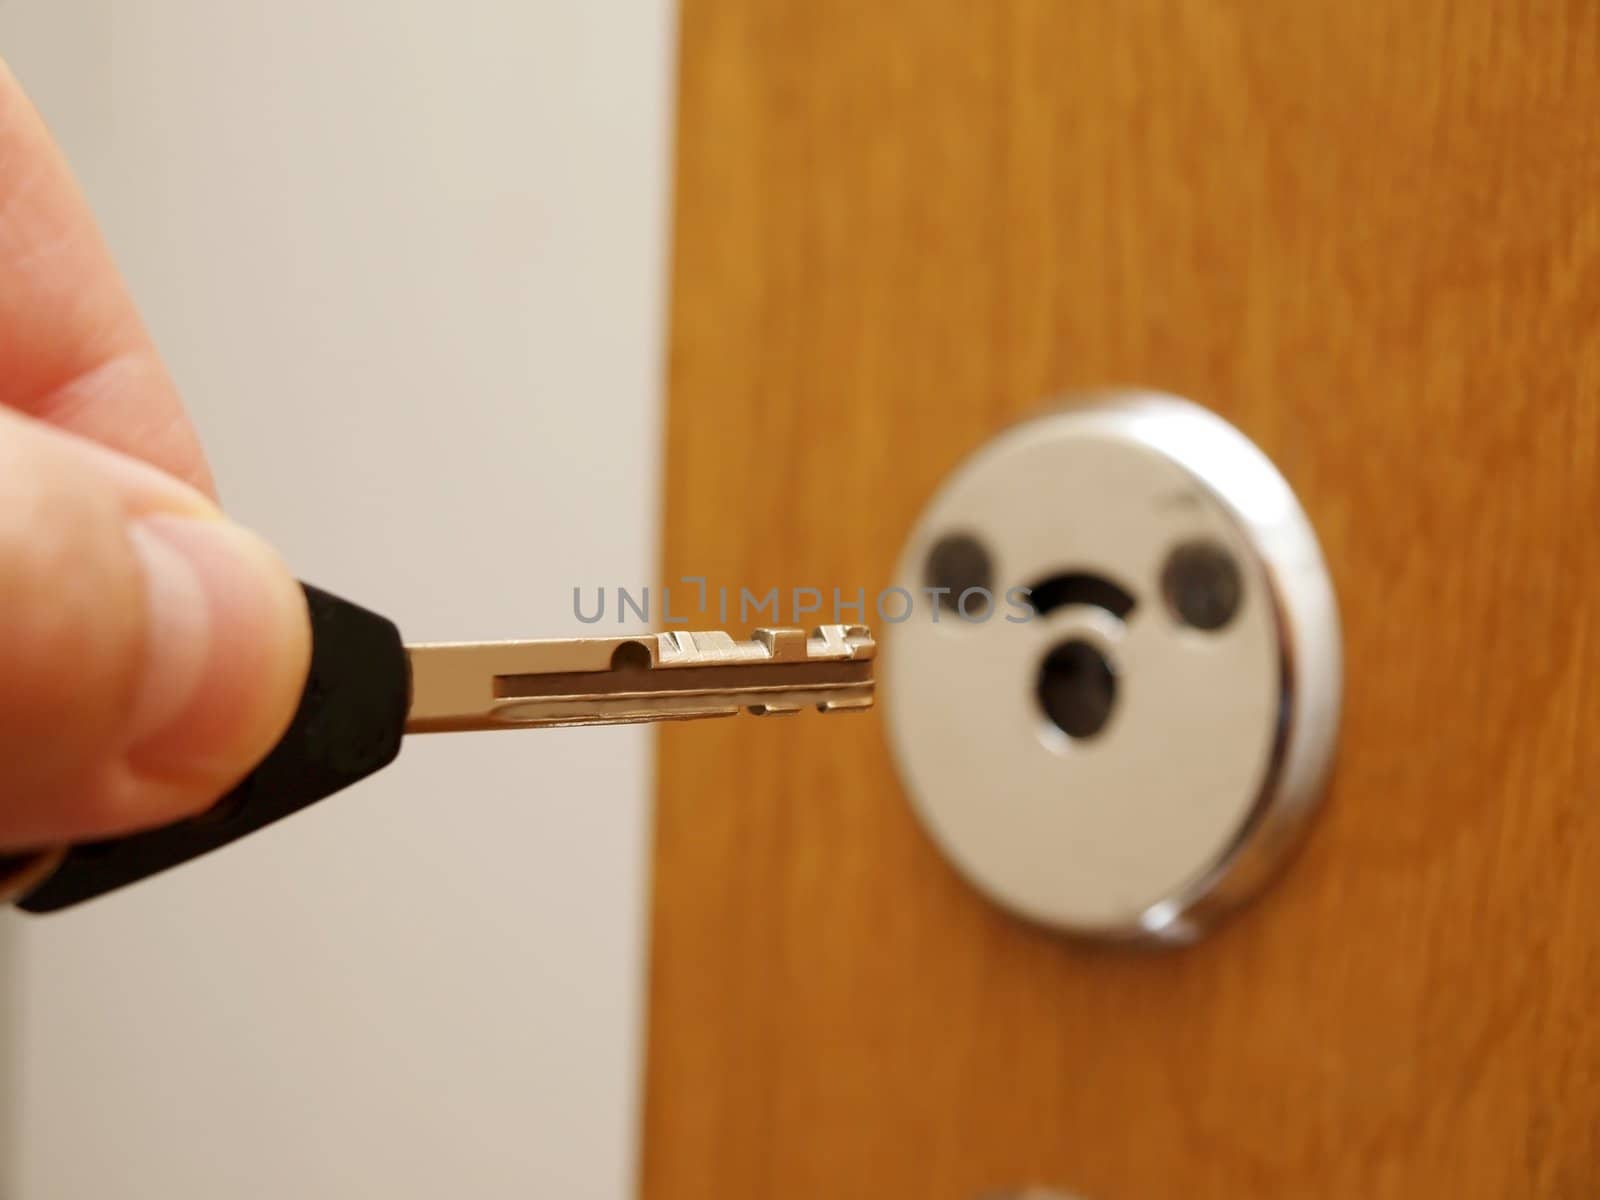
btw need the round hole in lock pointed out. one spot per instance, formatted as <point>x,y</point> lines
<point>1076,688</point>
<point>960,572</point>
<point>1202,585</point>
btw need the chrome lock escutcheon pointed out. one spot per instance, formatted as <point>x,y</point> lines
<point>1122,711</point>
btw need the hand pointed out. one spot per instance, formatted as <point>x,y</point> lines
<point>151,651</point>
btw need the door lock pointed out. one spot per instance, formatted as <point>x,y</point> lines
<point>1132,742</point>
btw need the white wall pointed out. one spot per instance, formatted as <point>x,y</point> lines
<point>407,263</point>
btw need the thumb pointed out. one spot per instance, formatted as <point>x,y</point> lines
<point>151,651</point>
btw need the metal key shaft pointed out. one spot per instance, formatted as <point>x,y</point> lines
<point>647,677</point>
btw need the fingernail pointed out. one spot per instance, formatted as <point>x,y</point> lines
<point>226,644</point>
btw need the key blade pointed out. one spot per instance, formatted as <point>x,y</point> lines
<point>648,677</point>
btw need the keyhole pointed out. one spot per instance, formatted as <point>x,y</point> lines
<point>1077,688</point>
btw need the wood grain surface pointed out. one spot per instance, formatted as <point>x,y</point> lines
<point>1368,234</point>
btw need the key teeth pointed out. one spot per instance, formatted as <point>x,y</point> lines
<point>639,654</point>
<point>703,648</point>
<point>784,645</point>
<point>845,641</point>
<point>856,704</point>
<point>772,710</point>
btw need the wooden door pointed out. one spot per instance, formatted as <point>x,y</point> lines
<point>1369,235</point>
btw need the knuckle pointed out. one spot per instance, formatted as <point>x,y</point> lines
<point>71,604</point>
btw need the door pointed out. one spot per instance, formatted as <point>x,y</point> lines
<point>1369,236</point>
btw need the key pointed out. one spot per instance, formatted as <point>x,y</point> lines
<point>366,689</point>
<point>660,677</point>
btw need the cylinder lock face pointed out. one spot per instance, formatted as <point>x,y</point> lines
<point>1116,704</point>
